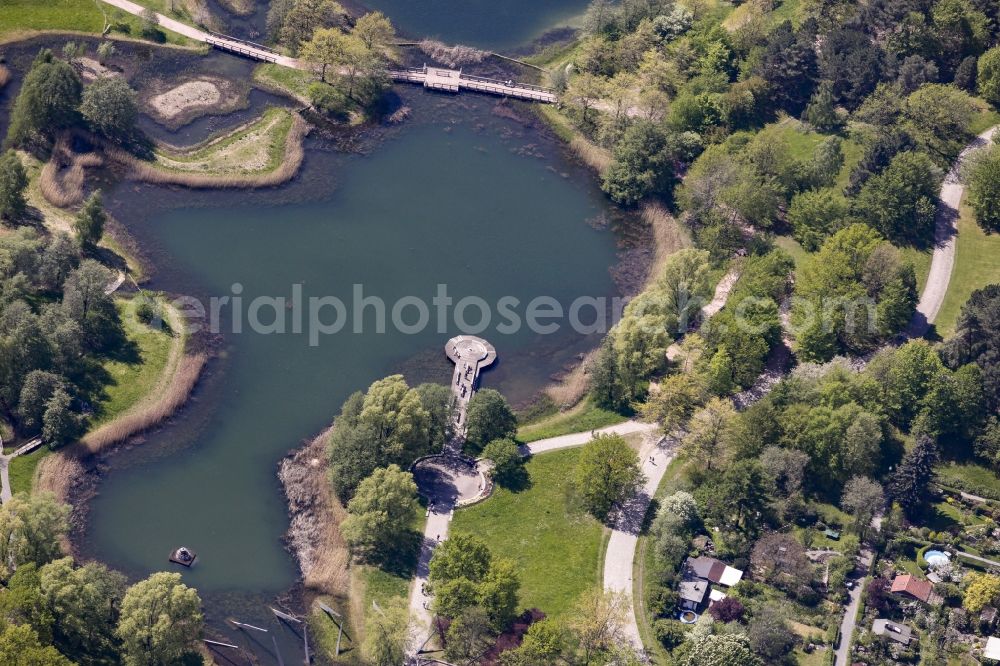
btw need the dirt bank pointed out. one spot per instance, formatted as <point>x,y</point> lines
<point>174,104</point>
<point>313,536</point>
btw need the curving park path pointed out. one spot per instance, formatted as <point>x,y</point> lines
<point>945,233</point>
<point>254,51</point>
<point>5,491</point>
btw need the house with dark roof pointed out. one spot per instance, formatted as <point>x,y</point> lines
<point>712,570</point>
<point>692,593</point>
<point>911,586</point>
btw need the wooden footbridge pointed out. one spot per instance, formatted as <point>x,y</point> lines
<point>454,80</point>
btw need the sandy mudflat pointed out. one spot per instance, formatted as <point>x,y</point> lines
<point>186,97</point>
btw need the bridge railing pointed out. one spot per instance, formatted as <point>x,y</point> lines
<point>230,38</point>
<point>514,84</point>
<point>510,91</point>
<point>248,51</point>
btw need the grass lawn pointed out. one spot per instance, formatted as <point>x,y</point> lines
<point>22,470</point>
<point>802,142</point>
<point>971,478</point>
<point>921,260</point>
<point>293,81</point>
<point>793,248</point>
<point>132,379</point>
<point>77,15</point>
<point>976,266</point>
<point>583,417</point>
<point>557,546</point>
<point>258,147</point>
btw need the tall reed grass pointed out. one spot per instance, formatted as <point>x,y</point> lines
<point>62,177</point>
<point>149,414</point>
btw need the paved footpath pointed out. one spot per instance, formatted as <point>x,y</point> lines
<point>199,35</point>
<point>581,438</point>
<point>620,555</point>
<point>945,234</point>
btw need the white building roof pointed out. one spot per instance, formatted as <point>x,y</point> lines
<point>716,595</point>
<point>992,649</point>
<point>730,576</point>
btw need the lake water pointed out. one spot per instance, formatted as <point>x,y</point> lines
<point>487,24</point>
<point>459,195</point>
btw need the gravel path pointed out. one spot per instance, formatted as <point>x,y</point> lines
<point>943,260</point>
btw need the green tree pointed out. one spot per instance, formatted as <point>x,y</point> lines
<point>546,642</point>
<point>988,76</point>
<point>607,473</point>
<point>298,19</point>
<point>498,592</point>
<point>463,574</point>
<point>815,215</point>
<point>13,183</point>
<point>982,590</point>
<point>641,164</point>
<point>977,340</point>
<point>461,556</point>
<point>160,620</point>
<point>862,498</point>
<point>597,623</point>
<point>675,401</point>
<point>508,464</point>
<point>938,117</point>
<point>488,417</point>
<point>109,106</point>
<point>60,424</point>
<point>901,202</point>
<point>984,189</point>
<point>822,111</point>
<point>374,30</point>
<point>705,441</point>
<point>769,633</point>
<point>469,636</point>
<point>47,103</point>
<point>910,483</point>
<point>31,527</point>
<point>386,635</point>
<point>722,650</point>
<point>38,388</point>
<point>324,49</point>
<point>387,425</point>
<point>86,600</point>
<point>380,513</point>
<point>89,223</point>
<point>19,644</point>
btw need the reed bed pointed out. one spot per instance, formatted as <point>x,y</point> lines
<point>57,473</point>
<point>597,158</point>
<point>62,177</point>
<point>314,534</point>
<point>149,414</point>
<point>149,172</point>
<point>5,76</point>
<point>452,56</point>
<point>669,235</point>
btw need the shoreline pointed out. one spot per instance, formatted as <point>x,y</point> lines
<point>73,472</point>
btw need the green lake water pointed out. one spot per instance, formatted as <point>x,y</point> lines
<point>486,24</point>
<point>456,196</point>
